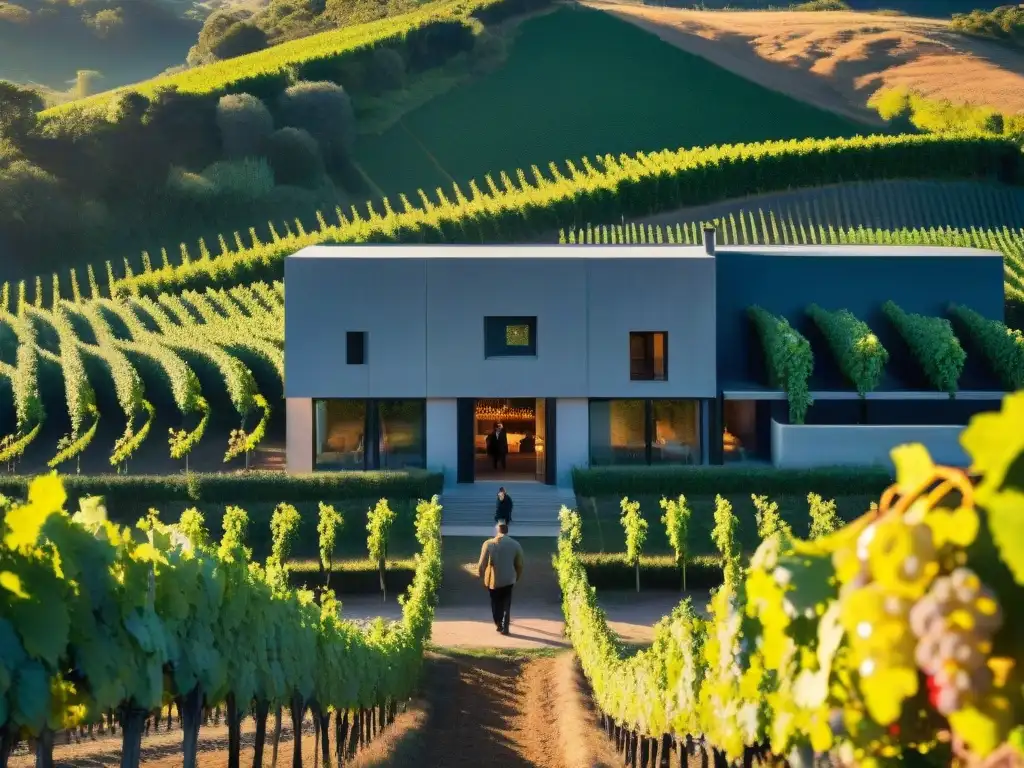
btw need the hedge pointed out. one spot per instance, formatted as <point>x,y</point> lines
<point>222,488</point>
<point>710,480</point>
<point>608,571</point>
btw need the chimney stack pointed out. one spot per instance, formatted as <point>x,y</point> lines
<point>709,239</point>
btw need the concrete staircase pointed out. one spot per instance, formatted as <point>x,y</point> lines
<point>468,509</point>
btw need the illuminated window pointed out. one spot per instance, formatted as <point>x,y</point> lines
<point>648,356</point>
<point>510,336</point>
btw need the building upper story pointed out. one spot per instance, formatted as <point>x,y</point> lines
<point>625,321</point>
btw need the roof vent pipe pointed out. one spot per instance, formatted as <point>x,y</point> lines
<point>709,239</point>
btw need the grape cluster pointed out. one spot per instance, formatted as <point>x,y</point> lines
<point>954,623</point>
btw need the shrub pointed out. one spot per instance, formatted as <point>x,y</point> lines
<point>325,111</point>
<point>1005,23</point>
<point>858,352</point>
<point>1002,347</point>
<point>933,344</point>
<point>294,157</point>
<point>245,123</point>
<point>387,69</point>
<point>788,358</point>
<point>248,179</point>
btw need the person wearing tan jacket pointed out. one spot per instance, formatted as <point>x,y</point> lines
<point>500,567</point>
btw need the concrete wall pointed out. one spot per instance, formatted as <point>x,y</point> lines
<point>800,446</point>
<point>423,309</point>
<point>572,437</point>
<point>443,438</point>
<point>298,435</point>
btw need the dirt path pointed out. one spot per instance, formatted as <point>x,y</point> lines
<point>508,712</point>
<point>837,60</point>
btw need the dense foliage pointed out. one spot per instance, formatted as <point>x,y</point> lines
<point>96,617</point>
<point>1005,23</point>
<point>788,359</point>
<point>1002,347</point>
<point>932,342</point>
<point>858,352</point>
<point>895,635</point>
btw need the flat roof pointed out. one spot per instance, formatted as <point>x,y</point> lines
<point>398,251</point>
<point>617,251</point>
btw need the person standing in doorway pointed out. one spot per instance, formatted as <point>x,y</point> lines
<point>497,445</point>
<point>501,567</point>
<point>503,509</point>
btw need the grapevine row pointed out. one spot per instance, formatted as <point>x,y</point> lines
<point>895,634</point>
<point>761,228</point>
<point>858,352</point>
<point>123,345</point>
<point>100,618</point>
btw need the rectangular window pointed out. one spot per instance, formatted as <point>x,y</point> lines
<point>355,347</point>
<point>352,434</point>
<point>630,432</point>
<point>510,336</point>
<point>402,434</point>
<point>648,356</point>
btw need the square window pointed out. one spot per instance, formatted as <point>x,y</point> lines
<point>355,347</point>
<point>648,356</point>
<point>510,336</point>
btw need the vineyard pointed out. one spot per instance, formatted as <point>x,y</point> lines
<point>536,203</point>
<point>104,623</point>
<point>793,227</point>
<point>891,638</point>
<point>117,368</point>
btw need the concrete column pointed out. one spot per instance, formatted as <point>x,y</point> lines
<point>443,438</point>
<point>572,437</point>
<point>298,435</point>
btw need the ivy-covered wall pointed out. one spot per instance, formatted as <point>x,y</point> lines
<point>786,284</point>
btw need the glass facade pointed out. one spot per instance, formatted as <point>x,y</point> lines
<point>369,434</point>
<point>631,432</point>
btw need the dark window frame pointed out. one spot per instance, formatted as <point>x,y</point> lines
<point>355,347</point>
<point>495,336</point>
<point>643,368</point>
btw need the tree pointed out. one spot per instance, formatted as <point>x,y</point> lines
<point>225,35</point>
<point>677,521</point>
<point>325,111</point>
<point>245,123</point>
<point>724,536</point>
<point>769,521</point>
<point>387,70</point>
<point>295,157</point>
<point>18,109</point>
<point>635,527</point>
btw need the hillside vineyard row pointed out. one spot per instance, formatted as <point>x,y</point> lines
<point>896,636</point>
<point>99,618</point>
<point>538,204</point>
<point>122,359</point>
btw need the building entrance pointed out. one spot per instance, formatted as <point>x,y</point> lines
<point>509,439</point>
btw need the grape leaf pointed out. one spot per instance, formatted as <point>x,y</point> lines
<point>24,524</point>
<point>994,441</point>
<point>884,691</point>
<point>92,512</point>
<point>12,654</point>
<point>914,466</point>
<point>43,623</point>
<point>1006,523</point>
<point>32,695</point>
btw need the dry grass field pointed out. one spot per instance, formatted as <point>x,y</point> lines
<point>838,60</point>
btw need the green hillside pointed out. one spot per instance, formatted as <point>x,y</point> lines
<point>579,82</point>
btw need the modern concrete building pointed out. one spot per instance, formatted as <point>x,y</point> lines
<point>405,356</point>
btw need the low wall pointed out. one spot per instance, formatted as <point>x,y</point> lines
<point>814,445</point>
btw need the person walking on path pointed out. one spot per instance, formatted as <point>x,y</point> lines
<point>500,567</point>
<point>497,446</point>
<point>503,508</point>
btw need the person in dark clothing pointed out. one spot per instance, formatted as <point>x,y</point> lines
<point>503,509</point>
<point>528,444</point>
<point>497,445</point>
